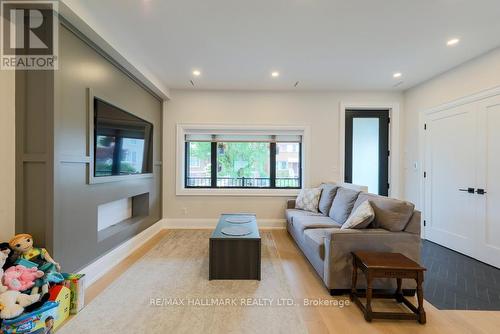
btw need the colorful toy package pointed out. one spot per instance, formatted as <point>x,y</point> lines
<point>76,283</point>
<point>39,321</point>
<point>61,295</point>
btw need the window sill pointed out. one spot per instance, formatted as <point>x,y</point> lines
<point>237,192</point>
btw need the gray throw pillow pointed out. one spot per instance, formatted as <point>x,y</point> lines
<point>361,217</point>
<point>308,199</point>
<point>342,204</point>
<point>327,195</point>
<point>390,214</point>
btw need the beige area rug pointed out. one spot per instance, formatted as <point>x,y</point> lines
<point>175,271</point>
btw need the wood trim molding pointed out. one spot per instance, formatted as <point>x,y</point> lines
<point>484,94</point>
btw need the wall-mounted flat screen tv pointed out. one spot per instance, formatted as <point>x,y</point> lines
<point>123,143</point>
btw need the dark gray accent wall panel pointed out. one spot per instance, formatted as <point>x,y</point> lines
<point>35,199</point>
<point>72,232</point>
<point>34,154</point>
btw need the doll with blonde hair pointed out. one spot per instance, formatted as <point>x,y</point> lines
<point>22,244</point>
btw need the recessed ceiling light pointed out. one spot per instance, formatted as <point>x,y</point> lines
<point>397,75</point>
<point>196,73</point>
<point>275,74</point>
<point>453,41</point>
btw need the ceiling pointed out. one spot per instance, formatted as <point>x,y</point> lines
<point>322,44</point>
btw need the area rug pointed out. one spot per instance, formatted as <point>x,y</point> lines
<point>168,291</point>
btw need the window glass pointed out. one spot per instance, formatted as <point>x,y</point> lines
<point>198,164</point>
<point>287,165</point>
<point>365,153</point>
<point>243,164</point>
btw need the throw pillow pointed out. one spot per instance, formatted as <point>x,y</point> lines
<point>361,217</point>
<point>343,204</point>
<point>390,214</point>
<point>308,199</point>
<point>326,199</point>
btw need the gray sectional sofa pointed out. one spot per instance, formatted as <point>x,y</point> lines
<point>396,228</point>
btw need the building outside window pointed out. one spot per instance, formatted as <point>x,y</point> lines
<point>243,161</point>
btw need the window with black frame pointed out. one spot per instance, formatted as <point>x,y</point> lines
<point>243,161</point>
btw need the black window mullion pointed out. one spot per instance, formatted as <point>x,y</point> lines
<point>213,169</point>
<point>186,165</point>
<point>348,148</point>
<point>300,165</point>
<point>272,160</point>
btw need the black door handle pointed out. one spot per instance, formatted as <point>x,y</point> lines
<point>481,191</point>
<point>469,190</point>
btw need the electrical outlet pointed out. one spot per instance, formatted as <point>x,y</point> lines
<point>184,211</point>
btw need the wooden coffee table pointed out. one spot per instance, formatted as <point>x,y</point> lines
<point>235,256</point>
<point>388,265</point>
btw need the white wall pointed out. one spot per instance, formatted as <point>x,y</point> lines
<point>319,110</point>
<point>7,154</point>
<point>472,77</point>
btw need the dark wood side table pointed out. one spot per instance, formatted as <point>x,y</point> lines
<point>388,265</point>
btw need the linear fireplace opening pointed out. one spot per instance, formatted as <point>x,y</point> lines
<point>116,216</point>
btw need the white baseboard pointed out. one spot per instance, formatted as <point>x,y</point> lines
<point>210,223</point>
<point>101,266</point>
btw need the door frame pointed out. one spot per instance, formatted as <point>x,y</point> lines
<point>394,140</point>
<point>423,115</point>
<point>383,146</point>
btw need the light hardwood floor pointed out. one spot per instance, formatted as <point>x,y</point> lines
<point>306,284</point>
<point>327,319</point>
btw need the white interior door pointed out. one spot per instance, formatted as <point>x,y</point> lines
<point>489,181</point>
<point>462,152</point>
<point>451,155</point>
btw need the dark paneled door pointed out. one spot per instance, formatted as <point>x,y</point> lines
<point>367,149</point>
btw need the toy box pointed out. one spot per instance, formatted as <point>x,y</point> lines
<point>39,321</point>
<point>76,283</point>
<point>61,295</point>
<point>46,319</point>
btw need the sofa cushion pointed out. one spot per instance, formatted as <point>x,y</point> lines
<point>315,239</point>
<point>302,223</point>
<point>308,199</point>
<point>360,217</point>
<point>326,199</point>
<point>342,204</point>
<point>291,214</point>
<point>390,214</point>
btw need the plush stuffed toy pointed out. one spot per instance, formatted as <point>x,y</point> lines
<point>4,247</point>
<point>3,258</point>
<point>22,244</point>
<point>20,278</point>
<point>12,303</point>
